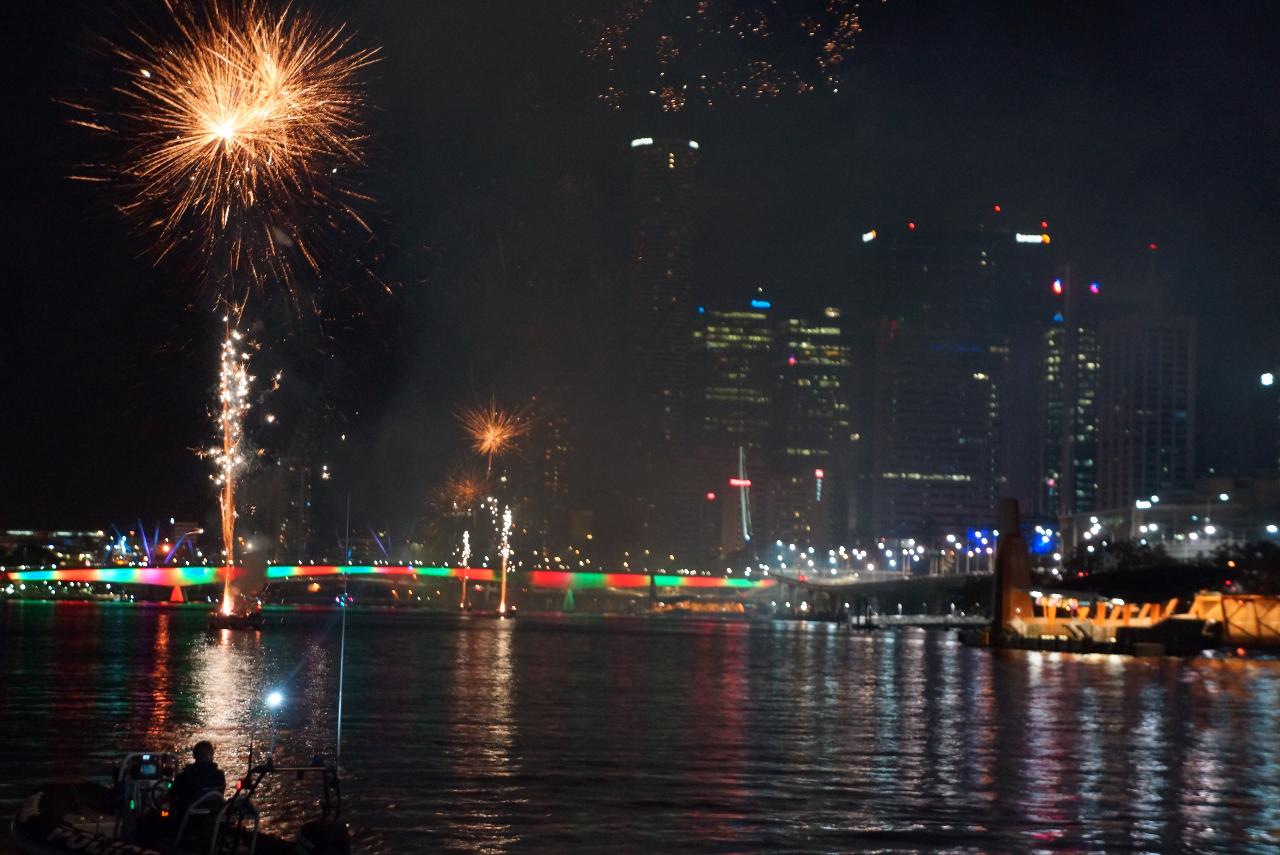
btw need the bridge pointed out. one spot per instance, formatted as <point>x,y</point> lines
<point>563,580</point>
<point>834,597</point>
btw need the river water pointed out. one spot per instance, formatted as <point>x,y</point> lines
<point>633,734</point>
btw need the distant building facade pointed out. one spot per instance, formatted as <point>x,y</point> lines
<point>808,484</point>
<point>937,443</point>
<point>950,395</point>
<point>735,356</point>
<point>1148,395</point>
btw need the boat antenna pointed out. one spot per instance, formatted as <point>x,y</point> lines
<point>342,662</point>
<point>342,644</point>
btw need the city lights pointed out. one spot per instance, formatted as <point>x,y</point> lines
<point>993,567</point>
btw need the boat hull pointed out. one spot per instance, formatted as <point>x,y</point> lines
<point>250,621</point>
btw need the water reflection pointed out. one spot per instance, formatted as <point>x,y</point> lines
<point>572,734</point>
<point>481,734</point>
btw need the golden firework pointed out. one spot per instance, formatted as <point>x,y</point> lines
<point>493,431</point>
<point>681,54</point>
<point>241,123</point>
<point>462,490</point>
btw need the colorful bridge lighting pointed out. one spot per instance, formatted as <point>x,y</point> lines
<point>166,576</point>
<point>556,579</point>
<point>478,574</point>
<point>580,581</point>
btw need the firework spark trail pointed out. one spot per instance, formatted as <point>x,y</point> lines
<point>229,457</point>
<point>505,551</point>
<point>239,126</point>
<point>466,562</point>
<point>493,432</point>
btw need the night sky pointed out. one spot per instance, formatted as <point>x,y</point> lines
<point>501,227</point>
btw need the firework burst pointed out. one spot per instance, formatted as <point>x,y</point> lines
<point>461,491</point>
<point>242,125</point>
<point>679,54</point>
<point>493,432</point>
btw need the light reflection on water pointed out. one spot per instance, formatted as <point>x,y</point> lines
<point>578,734</point>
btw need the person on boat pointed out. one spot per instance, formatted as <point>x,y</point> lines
<point>196,779</point>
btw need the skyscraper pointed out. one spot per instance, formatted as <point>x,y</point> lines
<point>544,472</point>
<point>807,485</point>
<point>663,175</point>
<point>947,426</point>
<point>937,443</point>
<point>813,384</point>
<point>663,183</point>
<point>737,375</point>
<point>1148,393</point>
<point>1071,370</point>
<point>278,507</point>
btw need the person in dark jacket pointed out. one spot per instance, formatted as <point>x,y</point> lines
<point>202,776</point>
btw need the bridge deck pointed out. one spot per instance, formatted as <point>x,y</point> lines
<point>551,579</point>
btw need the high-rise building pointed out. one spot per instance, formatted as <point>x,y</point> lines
<point>990,273</point>
<point>807,486</point>
<point>278,508</point>
<point>813,411</point>
<point>937,441</point>
<point>662,321</point>
<point>1071,370</point>
<point>946,423</point>
<point>736,376</point>
<point>544,473</point>
<point>663,185</point>
<point>1148,394</point>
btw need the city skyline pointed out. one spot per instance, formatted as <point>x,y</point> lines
<point>382,381</point>
<point>700,425</point>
